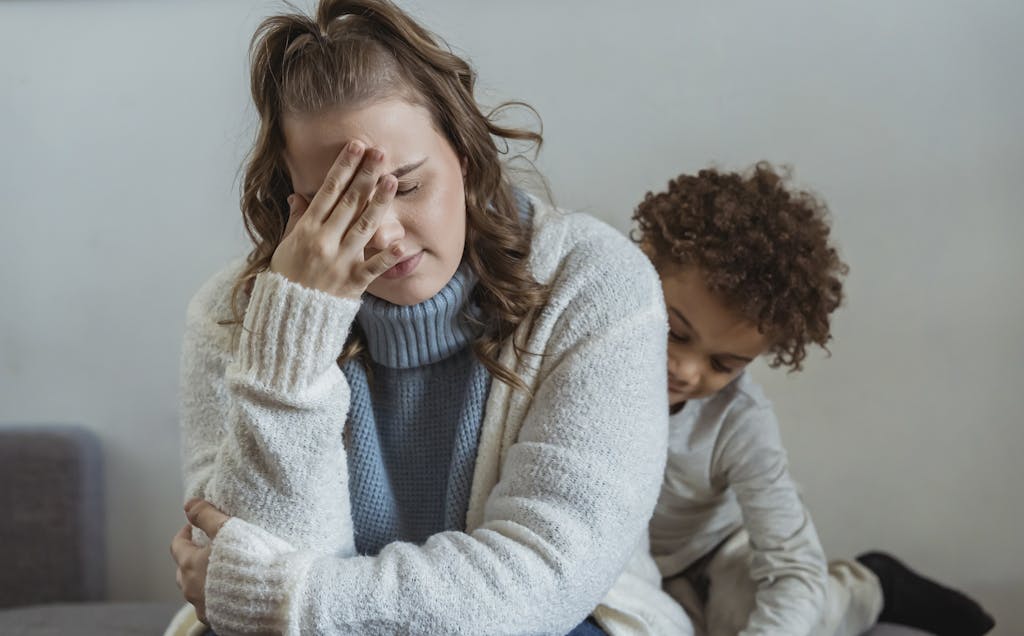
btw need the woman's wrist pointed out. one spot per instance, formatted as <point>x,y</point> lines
<point>291,335</point>
<point>254,581</point>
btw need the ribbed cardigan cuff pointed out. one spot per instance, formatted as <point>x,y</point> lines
<point>253,580</point>
<point>291,334</point>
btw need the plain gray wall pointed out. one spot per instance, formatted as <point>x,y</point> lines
<point>123,125</point>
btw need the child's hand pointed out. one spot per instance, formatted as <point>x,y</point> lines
<point>324,242</point>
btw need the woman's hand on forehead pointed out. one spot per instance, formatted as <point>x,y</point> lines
<point>325,239</point>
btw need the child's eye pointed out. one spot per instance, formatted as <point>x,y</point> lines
<point>718,367</point>
<point>408,189</point>
<point>678,338</point>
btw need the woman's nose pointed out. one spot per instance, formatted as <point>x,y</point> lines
<point>389,231</point>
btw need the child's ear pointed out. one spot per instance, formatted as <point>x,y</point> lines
<point>465,168</point>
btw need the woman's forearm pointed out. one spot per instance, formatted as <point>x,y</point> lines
<point>263,424</point>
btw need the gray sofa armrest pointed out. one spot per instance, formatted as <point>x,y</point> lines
<point>51,527</point>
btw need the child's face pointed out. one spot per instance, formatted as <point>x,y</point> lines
<point>708,344</point>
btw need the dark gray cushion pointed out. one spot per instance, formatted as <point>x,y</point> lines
<point>51,530</point>
<point>88,619</point>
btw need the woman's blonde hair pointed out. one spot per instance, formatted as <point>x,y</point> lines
<point>357,52</point>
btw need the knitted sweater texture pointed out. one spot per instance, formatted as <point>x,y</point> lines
<point>565,479</point>
<point>414,429</point>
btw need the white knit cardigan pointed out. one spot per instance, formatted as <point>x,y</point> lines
<point>565,481</point>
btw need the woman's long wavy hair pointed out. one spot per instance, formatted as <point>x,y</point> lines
<point>358,52</point>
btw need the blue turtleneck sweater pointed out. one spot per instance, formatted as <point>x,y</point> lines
<point>413,434</point>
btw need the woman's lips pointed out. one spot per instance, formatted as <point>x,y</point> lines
<point>404,267</point>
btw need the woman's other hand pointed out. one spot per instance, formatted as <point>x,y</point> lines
<point>193,560</point>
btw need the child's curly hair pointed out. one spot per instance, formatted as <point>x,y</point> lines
<point>762,248</point>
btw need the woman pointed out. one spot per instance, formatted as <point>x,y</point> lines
<point>424,417</point>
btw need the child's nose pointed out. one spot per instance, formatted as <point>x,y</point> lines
<point>685,369</point>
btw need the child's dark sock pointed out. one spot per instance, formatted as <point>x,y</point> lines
<point>913,600</point>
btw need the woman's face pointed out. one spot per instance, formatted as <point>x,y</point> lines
<point>429,211</point>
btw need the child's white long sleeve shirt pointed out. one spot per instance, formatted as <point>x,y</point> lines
<point>727,470</point>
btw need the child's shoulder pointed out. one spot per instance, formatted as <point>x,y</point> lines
<point>736,425</point>
<point>739,410</point>
<point>740,399</point>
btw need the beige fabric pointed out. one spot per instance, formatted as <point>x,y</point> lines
<point>852,604</point>
<point>637,604</point>
<point>185,623</point>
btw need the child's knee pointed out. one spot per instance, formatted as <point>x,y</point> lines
<point>731,592</point>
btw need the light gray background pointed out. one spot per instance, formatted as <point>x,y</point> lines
<point>123,125</point>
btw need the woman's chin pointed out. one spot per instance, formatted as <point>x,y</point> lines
<point>411,290</point>
<point>427,278</point>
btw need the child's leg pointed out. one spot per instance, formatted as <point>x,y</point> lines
<point>682,590</point>
<point>917,601</point>
<point>853,599</point>
<point>731,593</point>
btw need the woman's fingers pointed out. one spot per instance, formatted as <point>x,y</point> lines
<point>381,262</point>
<point>297,206</point>
<point>181,545</point>
<point>352,201</point>
<point>337,181</point>
<point>328,238</point>
<point>192,560</point>
<point>364,227</point>
<point>203,515</point>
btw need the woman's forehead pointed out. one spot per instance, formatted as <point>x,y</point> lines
<point>404,133</point>
<point>391,125</point>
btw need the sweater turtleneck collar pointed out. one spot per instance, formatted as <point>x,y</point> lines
<point>408,336</point>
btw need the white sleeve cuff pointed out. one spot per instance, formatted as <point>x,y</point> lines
<point>254,581</point>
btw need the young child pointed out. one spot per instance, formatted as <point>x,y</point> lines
<point>747,269</point>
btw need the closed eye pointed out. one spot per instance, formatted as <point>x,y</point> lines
<point>719,367</point>
<point>406,189</point>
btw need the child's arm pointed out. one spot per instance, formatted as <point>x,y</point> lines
<point>788,563</point>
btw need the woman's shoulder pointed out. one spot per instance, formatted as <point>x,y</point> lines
<point>559,234</point>
<point>576,252</point>
<point>211,303</point>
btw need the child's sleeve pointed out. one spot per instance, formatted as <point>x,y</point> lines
<point>788,563</point>
<point>262,413</point>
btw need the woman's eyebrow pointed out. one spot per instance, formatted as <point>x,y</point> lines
<point>401,171</point>
<point>398,173</point>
